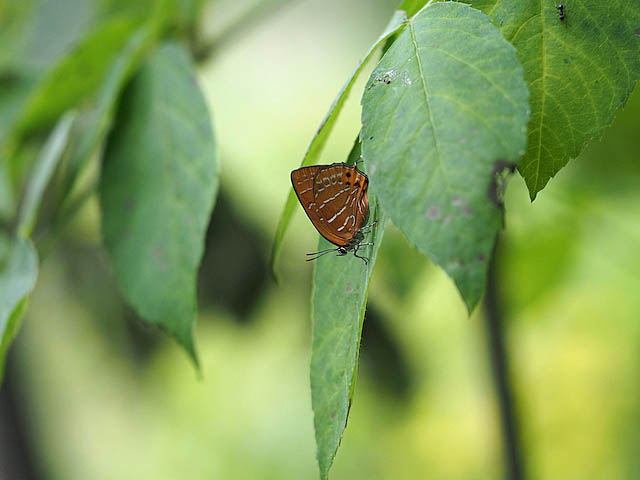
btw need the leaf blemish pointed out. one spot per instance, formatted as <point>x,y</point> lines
<point>454,263</point>
<point>463,204</point>
<point>406,79</point>
<point>480,257</point>
<point>484,85</point>
<point>385,78</point>
<point>446,219</point>
<point>349,288</point>
<point>433,212</point>
<point>499,172</point>
<point>638,31</point>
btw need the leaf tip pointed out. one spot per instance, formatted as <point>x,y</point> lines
<point>186,341</point>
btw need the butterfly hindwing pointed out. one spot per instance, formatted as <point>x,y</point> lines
<point>334,198</point>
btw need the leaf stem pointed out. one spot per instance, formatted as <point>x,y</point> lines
<point>494,324</point>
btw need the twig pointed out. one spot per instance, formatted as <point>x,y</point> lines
<point>494,323</point>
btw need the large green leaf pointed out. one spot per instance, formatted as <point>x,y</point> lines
<point>580,72</point>
<point>338,304</point>
<point>157,190</point>
<point>43,169</point>
<point>326,126</point>
<point>445,112</point>
<point>75,76</point>
<point>18,274</point>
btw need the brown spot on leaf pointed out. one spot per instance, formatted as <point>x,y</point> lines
<point>349,288</point>
<point>480,257</point>
<point>433,212</point>
<point>333,415</point>
<point>638,31</point>
<point>500,170</point>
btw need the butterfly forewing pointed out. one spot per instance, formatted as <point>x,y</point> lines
<point>335,199</point>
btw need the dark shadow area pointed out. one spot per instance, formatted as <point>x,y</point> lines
<point>16,459</point>
<point>381,358</point>
<point>233,273</point>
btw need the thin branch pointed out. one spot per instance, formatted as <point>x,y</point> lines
<point>494,324</point>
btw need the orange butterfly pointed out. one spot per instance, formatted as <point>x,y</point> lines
<point>335,200</point>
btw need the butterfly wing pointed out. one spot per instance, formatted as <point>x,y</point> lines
<point>340,194</point>
<point>334,198</point>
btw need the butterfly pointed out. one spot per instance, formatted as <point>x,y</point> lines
<point>335,200</point>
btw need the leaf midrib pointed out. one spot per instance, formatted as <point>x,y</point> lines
<point>427,105</point>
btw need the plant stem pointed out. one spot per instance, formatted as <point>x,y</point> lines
<point>494,324</point>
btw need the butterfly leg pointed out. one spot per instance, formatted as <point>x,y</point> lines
<point>368,227</point>
<point>355,251</point>
<point>364,259</point>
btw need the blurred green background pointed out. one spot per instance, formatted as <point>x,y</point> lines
<point>91,393</point>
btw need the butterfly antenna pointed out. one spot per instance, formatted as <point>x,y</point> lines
<point>319,254</point>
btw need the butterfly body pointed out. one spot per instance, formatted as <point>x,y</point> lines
<point>334,197</point>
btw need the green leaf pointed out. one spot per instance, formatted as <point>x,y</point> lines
<point>43,169</point>
<point>397,22</point>
<point>75,76</point>
<point>92,124</point>
<point>7,203</point>
<point>580,72</point>
<point>13,94</point>
<point>18,274</point>
<point>411,7</point>
<point>443,114</point>
<point>338,304</point>
<point>158,186</point>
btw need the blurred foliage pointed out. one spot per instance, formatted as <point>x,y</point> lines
<point>104,396</point>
